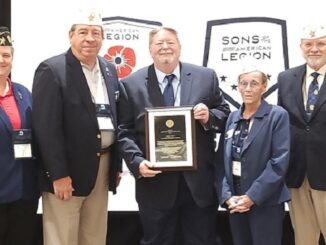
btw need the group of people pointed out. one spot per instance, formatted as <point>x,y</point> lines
<point>69,149</point>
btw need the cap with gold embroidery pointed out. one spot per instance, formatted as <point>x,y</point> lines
<point>313,32</point>
<point>5,37</point>
<point>88,17</point>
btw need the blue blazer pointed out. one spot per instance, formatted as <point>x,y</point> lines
<point>18,178</point>
<point>264,156</point>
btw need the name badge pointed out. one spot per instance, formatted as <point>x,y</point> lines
<point>22,143</point>
<point>104,117</point>
<point>236,168</point>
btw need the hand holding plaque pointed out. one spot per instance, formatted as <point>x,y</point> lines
<point>170,138</point>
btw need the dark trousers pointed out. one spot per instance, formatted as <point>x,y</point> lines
<point>183,224</point>
<point>260,226</point>
<point>18,222</point>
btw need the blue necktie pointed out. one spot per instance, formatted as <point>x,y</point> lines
<point>312,94</point>
<point>168,93</point>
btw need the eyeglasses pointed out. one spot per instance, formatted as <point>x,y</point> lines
<point>252,84</point>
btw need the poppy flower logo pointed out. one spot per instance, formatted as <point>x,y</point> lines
<point>123,58</point>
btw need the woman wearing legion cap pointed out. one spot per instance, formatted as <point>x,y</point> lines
<point>18,171</point>
<point>256,154</point>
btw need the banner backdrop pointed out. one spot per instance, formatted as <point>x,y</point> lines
<point>228,41</point>
<point>126,43</point>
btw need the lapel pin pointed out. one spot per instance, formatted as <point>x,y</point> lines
<point>20,95</point>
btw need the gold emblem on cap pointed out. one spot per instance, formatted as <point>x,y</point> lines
<point>9,39</point>
<point>5,38</point>
<point>169,123</point>
<point>2,41</point>
<point>91,17</point>
<point>312,34</point>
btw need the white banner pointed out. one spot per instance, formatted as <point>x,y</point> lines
<point>126,43</point>
<point>228,41</point>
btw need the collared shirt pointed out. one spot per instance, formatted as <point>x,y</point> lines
<point>162,82</point>
<point>9,105</point>
<point>308,80</point>
<point>97,86</point>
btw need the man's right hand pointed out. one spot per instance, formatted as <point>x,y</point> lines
<point>63,188</point>
<point>145,171</point>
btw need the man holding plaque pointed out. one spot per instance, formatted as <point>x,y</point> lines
<point>176,207</point>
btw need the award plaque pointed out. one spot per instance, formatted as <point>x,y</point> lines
<point>170,138</point>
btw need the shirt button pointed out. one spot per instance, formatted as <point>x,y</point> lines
<point>98,136</point>
<point>98,154</point>
<point>307,128</point>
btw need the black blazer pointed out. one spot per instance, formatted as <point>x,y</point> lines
<point>141,90</point>
<point>65,123</point>
<point>308,141</point>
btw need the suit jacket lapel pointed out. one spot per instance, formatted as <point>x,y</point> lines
<point>154,92</point>
<point>76,76</point>
<point>296,82</point>
<point>19,100</point>
<point>110,88</point>
<point>5,119</point>
<point>297,87</point>
<point>186,84</point>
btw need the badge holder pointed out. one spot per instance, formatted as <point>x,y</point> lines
<point>22,143</point>
<point>104,117</point>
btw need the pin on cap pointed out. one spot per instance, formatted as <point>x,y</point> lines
<point>313,32</point>
<point>5,36</point>
<point>88,17</point>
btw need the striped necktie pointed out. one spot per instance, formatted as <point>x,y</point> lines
<point>312,94</point>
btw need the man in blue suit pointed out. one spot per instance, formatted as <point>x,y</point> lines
<point>75,95</point>
<point>176,207</point>
<point>302,92</point>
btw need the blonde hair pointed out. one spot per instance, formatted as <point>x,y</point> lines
<point>155,31</point>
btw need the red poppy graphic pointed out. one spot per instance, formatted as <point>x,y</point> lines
<point>124,59</point>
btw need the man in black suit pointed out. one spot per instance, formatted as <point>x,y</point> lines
<point>176,207</point>
<point>74,96</point>
<point>302,92</point>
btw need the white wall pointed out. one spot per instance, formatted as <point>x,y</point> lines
<point>40,30</point>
